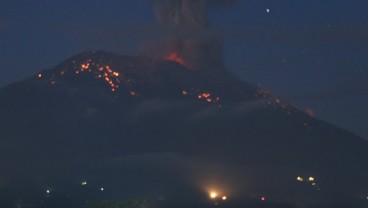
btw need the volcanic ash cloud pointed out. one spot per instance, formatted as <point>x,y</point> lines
<point>186,35</point>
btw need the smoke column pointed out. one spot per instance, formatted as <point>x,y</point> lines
<point>189,39</point>
<point>189,13</point>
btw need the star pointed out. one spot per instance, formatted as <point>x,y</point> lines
<point>268,10</point>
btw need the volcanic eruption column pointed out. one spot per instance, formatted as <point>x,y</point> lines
<point>190,40</point>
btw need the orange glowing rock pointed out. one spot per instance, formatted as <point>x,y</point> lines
<point>206,96</point>
<point>84,66</point>
<point>108,69</point>
<point>175,57</point>
<point>99,71</point>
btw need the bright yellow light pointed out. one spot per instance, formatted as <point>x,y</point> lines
<point>311,179</point>
<point>299,178</point>
<point>224,198</point>
<point>213,195</point>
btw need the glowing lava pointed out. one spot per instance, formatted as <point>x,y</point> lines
<point>112,78</point>
<point>116,79</point>
<point>208,97</point>
<point>202,96</point>
<point>175,57</point>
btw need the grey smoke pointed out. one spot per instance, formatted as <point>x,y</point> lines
<point>187,33</point>
<point>189,13</point>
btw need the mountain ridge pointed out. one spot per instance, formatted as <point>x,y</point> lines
<point>97,107</point>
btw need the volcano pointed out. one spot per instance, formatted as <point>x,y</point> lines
<point>136,127</point>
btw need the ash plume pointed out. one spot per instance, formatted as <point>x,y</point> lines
<point>187,37</point>
<point>190,13</point>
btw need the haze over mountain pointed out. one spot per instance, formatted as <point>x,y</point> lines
<point>154,129</point>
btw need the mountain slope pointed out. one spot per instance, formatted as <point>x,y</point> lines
<point>154,126</point>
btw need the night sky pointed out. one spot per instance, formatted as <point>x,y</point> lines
<point>310,52</point>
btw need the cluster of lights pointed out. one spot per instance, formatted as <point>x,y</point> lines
<point>203,96</point>
<point>115,79</point>
<point>310,180</point>
<point>273,101</point>
<point>215,195</point>
<point>104,72</point>
<point>49,192</point>
<point>99,71</point>
<point>208,97</point>
<point>276,103</point>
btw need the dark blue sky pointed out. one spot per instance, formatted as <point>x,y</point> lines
<point>310,52</point>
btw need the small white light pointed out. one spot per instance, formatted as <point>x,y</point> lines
<point>299,179</point>
<point>268,10</point>
<point>84,183</point>
<point>224,198</point>
<point>102,189</point>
